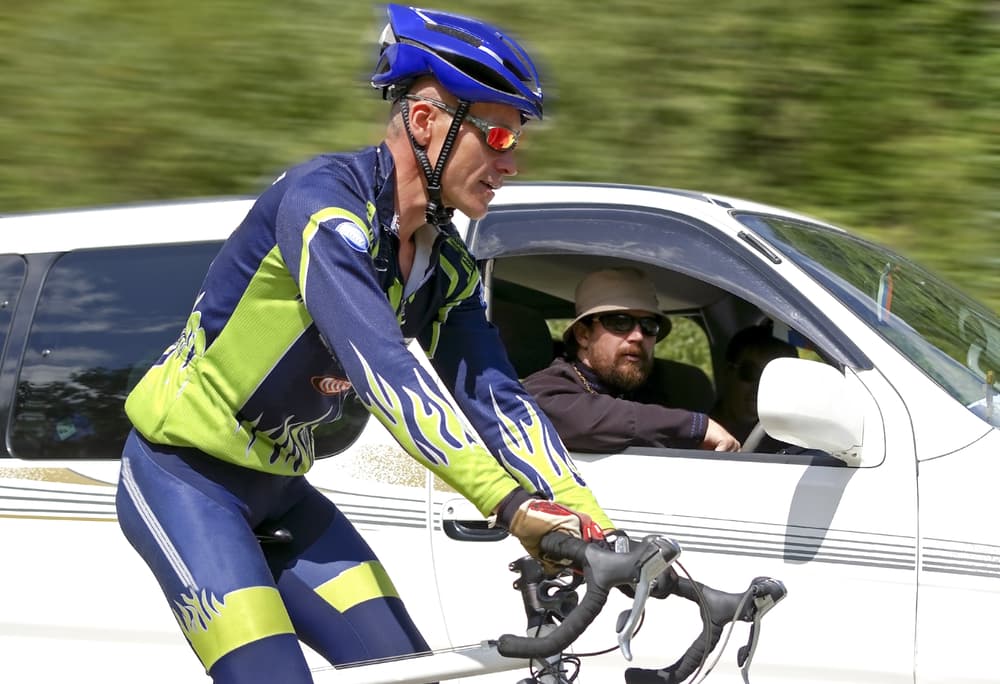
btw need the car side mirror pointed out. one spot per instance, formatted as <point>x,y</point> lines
<point>815,406</point>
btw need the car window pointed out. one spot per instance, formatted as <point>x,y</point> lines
<point>531,282</point>
<point>12,271</point>
<point>698,262</point>
<point>952,338</point>
<point>103,317</point>
<point>687,343</point>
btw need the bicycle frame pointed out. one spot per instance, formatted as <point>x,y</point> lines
<point>648,559</point>
<point>556,618</point>
<point>485,658</point>
<point>442,665</point>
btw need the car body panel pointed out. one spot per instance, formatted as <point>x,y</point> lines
<point>891,567</point>
<point>959,564</point>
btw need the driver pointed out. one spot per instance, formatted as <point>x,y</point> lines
<point>598,396</point>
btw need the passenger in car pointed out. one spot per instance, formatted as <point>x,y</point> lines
<point>598,396</point>
<point>308,307</point>
<point>747,353</point>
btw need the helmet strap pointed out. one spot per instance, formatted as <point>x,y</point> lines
<point>436,214</point>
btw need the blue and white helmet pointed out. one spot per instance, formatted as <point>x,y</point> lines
<point>474,61</point>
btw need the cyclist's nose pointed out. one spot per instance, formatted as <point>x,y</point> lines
<point>507,163</point>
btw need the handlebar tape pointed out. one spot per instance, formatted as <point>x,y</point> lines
<point>559,545</point>
<point>718,609</point>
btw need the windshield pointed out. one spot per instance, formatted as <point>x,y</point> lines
<point>953,338</point>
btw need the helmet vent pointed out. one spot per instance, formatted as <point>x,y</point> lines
<point>461,35</point>
<point>479,72</point>
<point>521,67</point>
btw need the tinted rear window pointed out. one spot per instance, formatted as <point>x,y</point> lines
<point>104,316</point>
<point>12,269</point>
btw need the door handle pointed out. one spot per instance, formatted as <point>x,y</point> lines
<point>473,530</point>
<point>461,521</point>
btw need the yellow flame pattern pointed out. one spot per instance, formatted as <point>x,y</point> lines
<point>439,430</point>
<point>216,627</point>
<point>428,425</point>
<point>529,446</point>
<point>539,461</point>
<point>195,611</point>
<point>433,430</point>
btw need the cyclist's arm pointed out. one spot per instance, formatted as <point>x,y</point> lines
<point>325,247</point>
<point>470,358</point>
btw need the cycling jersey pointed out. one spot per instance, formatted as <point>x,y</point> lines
<point>305,307</point>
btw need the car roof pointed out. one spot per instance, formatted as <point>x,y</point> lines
<point>709,206</point>
<point>201,220</point>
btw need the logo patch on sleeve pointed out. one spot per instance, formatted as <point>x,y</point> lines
<point>353,235</point>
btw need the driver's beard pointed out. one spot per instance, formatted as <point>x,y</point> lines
<point>627,376</point>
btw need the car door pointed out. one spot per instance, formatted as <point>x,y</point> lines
<point>79,329</point>
<point>83,324</point>
<point>843,539</point>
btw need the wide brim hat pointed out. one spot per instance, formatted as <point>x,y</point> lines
<point>617,289</point>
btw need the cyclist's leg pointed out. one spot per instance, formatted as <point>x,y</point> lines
<point>192,530</point>
<point>340,598</point>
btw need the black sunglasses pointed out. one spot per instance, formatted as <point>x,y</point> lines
<point>623,323</point>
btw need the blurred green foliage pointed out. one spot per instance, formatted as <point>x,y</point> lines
<point>881,116</point>
<point>688,344</point>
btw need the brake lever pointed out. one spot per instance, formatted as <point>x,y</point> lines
<point>662,552</point>
<point>766,593</point>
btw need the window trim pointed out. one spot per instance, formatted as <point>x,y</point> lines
<point>589,232</point>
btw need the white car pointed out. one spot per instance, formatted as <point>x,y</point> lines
<point>883,527</point>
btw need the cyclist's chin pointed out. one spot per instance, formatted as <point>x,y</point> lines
<point>474,204</point>
<point>475,210</point>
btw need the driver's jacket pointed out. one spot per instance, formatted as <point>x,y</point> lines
<point>304,305</point>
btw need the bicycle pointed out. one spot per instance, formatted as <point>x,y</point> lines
<point>557,617</point>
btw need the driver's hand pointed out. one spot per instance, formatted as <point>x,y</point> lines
<point>717,438</point>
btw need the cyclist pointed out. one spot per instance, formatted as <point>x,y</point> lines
<point>310,303</point>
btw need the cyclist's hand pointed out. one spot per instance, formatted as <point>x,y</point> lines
<point>537,517</point>
<point>533,518</point>
<point>718,438</point>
